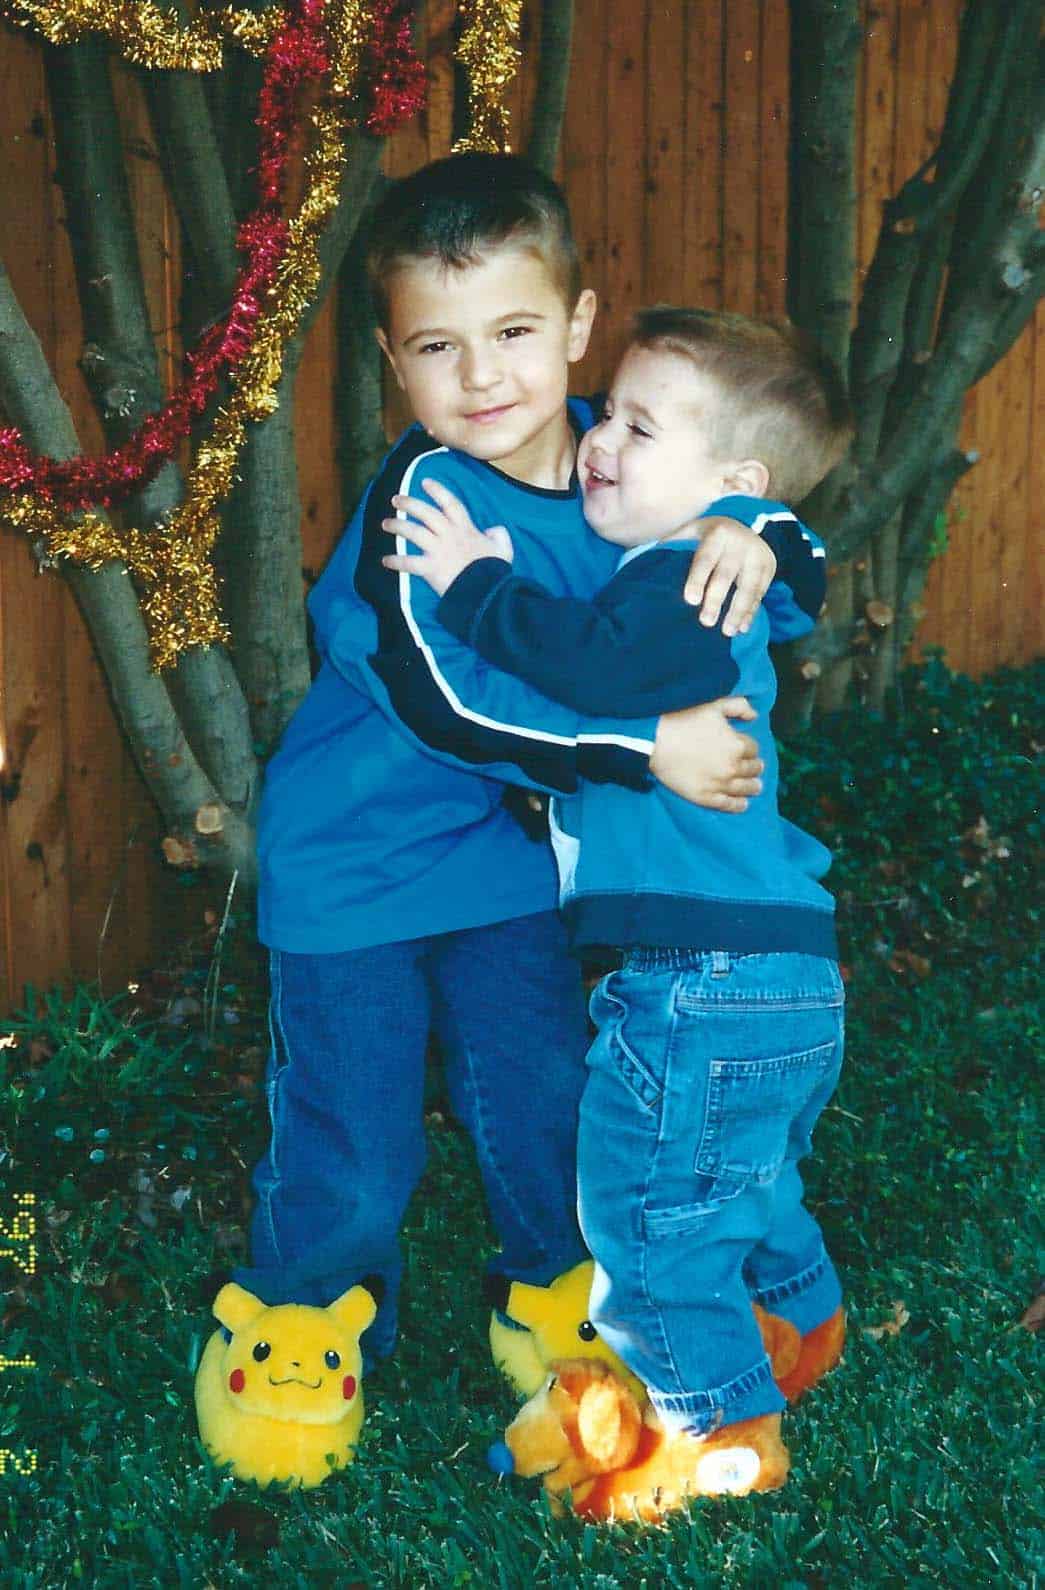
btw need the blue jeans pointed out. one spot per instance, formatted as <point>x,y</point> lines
<point>706,1078</point>
<point>345,1090</point>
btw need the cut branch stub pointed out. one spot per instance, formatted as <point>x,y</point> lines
<point>210,819</point>
<point>879,614</point>
<point>179,851</point>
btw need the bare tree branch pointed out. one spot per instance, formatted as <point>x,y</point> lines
<point>359,390</point>
<point>825,52</point>
<point>192,165</point>
<point>178,783</point>
<point>553,76</point>
<point>261,548</point>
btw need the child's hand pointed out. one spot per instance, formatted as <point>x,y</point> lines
<point>729,552</point>
<point>699,756</point>
<point>447,538</point>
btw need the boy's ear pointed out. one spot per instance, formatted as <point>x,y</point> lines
<point>382,342</point>
<point>749,477</point>
<point>581,321</point>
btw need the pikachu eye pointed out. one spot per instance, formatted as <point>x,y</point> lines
<point>261,1352</point>
<point>586,1331</point>
<point>331,1358</point>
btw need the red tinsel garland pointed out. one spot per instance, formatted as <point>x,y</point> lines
<point>393,90</point>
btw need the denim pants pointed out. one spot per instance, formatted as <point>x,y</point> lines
<point>705,1080</point>
<point>345,1090</point>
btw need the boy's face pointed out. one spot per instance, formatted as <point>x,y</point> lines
<point>645,469</point>
<point>482,351</point>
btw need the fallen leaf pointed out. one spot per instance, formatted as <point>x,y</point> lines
<point>907,961</point>
<point>1033,1316</point>
<point>889,1327</point>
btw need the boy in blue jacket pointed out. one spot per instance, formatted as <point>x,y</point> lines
<point>398,893</point>
<point>720,1039</point>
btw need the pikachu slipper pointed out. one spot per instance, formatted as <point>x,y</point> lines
<point>278,1390</point>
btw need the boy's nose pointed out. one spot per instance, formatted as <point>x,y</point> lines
<point>479,370</point>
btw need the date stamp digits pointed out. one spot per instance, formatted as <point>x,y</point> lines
<point>18,1247</point>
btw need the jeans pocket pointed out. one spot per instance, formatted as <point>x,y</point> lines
<point>754,1109</point>
<point>610,1013</point>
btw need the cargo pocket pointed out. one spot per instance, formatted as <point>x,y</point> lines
<point>752,1106</point>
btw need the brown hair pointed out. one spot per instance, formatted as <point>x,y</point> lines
<point>452,210</point>
<point>779,398</point>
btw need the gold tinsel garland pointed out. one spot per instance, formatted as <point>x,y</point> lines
<point>148,35</point>
<point>173,563</point>
<point>489,54</point>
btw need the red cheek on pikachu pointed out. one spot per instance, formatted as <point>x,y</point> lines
<point>237,1380</point>
<point>348,1387</point>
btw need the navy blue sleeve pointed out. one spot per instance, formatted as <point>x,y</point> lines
<point>637,648</point>
<point>794,599</point>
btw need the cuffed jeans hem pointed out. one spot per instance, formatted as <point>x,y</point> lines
<point>807,1299</point>
<point>746,1396</point>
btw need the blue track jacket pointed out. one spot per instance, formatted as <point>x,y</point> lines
<point>382,815</point>
<point>650,868</point>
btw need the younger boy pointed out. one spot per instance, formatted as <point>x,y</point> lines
<point>720,1039</point>
<point>398,894</point>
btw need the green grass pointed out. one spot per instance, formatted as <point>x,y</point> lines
<point>913,1464</point>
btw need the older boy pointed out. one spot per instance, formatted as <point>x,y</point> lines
<point>720,1040</point>
<point>398,893</point>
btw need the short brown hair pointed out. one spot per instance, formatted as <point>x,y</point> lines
<point>452,210</point>
<point>782,399</point>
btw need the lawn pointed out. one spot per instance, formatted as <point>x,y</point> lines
<point>133,1124</point>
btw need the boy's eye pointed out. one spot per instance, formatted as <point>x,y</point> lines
<point>433,347</point>
<point>636,430</point>
<point>514,332</point>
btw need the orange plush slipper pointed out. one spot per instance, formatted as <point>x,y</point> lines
<point>596,1446</point>
<point>818,1351</point>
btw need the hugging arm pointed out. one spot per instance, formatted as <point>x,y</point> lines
<point>457,706</point>
<point>635,649</point>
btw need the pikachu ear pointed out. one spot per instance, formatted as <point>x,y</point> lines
<point>235,1307</point>
<point>608,1423</point>
<point>353,1310</point>
<point>528,1304</point>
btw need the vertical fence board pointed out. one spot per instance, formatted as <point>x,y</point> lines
<point>33,665</point>
<point>771,264</point>
<point>704,147</point>
<point>740,190</point>
<point>624,174</point>
<point>665,87</point>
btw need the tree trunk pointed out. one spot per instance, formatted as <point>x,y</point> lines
<point>957,271</point>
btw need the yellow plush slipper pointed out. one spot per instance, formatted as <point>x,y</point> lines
<point>555,1325</point>
<point>277,1390</point>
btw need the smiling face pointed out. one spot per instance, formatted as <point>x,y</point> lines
<point>482,352</point>
<point>645,470</point>
<point>293,1362</point>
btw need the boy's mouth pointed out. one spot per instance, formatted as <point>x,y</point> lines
<point>487,416</point>
<point>594,479</point>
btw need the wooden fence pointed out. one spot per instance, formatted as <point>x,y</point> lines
<point>674,159</point>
